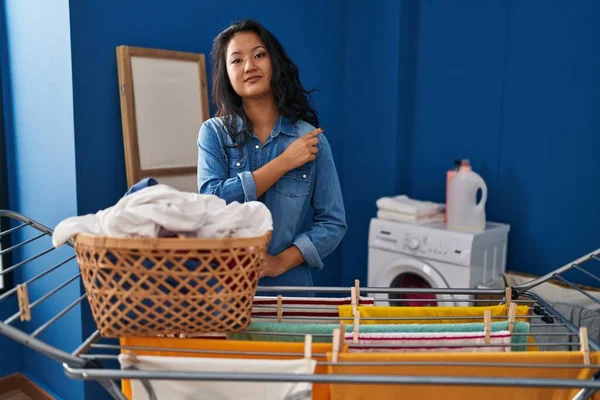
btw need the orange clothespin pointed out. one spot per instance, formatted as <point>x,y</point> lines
<point>279,308</point>
<point>487,326</point>
<point>23,300</point>
<point>584,345</point>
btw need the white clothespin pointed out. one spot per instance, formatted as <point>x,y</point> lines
<point>338,341</point>
<point>279,308</point>
<point>356,327</point>
<point>584,345</point>
<point>132,357</point>
<point>487,326</point>
<point>307,352</point>
<point>512,316</point>
<point>353,300</point>
<point>508,295</point>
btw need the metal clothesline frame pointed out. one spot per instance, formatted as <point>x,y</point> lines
<point>81,364</point>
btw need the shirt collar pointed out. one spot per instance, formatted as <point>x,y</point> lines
<point>284,125</point>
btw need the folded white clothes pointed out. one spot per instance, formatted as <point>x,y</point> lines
<point>406,205</point>
<point>402,217</point>
<point>161,210</point>
<point>218,390</point>
<point>420,342</point>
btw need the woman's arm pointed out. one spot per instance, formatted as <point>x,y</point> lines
<point>246,186</point>
<point>329,220</point>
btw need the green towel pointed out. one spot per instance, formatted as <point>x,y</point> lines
<point>255,331</point>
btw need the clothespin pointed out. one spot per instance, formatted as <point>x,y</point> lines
<point>356,327</point>
<point>307,352</point>
<point>487,326</point>
<point>508,295</point>
<point>357,290</point>
<point>584,345</point>
<point>353,300</point>
<point>23,300</point>
<point>512,316</point>
<point>338,341</point>
<point>279,308</point>
<point>132,356</point>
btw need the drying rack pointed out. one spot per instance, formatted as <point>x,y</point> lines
<point>87,361</point>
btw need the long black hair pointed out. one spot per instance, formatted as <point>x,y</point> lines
<point>291,99</point>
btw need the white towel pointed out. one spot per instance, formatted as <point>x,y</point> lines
<point>160,210</point>
<point>428,342</point>
<point>406,205</point>
<point>219,390</point>
<point>411,218</point>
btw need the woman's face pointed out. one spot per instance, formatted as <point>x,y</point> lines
<point>248,65</point>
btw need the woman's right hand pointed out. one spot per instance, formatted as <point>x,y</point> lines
<point>302,150</point>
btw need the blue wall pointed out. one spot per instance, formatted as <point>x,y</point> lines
<point>405,88</point>
<point>514,86</point>
<point>97,28</point>
<point>41,154</point>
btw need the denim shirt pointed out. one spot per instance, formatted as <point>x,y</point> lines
<point>313,188</point>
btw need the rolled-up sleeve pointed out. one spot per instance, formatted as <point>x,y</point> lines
<point>213,170</point>
<point>329,216</point>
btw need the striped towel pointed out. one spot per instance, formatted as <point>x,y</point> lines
<point>318,309</point>
<point>430,342</point>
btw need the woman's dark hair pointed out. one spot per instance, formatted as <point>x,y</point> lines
<point>291,99</point>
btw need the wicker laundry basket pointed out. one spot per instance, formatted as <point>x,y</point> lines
<point>163,286</point>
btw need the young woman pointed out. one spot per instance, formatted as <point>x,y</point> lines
<point>263,145</point>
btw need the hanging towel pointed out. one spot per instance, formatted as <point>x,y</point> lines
<point>222,390</point>
<point>448,392</point>
<point>403,217</point>
<point>444,315</point>
<point>160,210</point>
<point>265,307</point>
<point>429,342</point>
<point>280,332</point>
<point>406,205</point>
<point>238,349</point>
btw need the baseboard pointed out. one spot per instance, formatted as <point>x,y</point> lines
<point>18,386</point>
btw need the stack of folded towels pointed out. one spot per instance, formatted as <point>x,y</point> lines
<point>402,208</point>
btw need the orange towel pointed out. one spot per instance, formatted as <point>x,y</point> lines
<point>500,311</point>
<point>423,392</point>
<point>320,391</point>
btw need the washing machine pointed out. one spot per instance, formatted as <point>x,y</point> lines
<point>432,256</point>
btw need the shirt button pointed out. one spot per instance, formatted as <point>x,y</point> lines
<point>257,147</point>
<point>304,176</point>
<point>237,164</point>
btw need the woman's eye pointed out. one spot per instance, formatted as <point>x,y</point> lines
<point>261,55</point>
<point>236,61</point>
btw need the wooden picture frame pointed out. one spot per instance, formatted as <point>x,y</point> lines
<point>164,101</point>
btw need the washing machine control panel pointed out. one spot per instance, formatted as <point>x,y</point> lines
<point>424,245</point>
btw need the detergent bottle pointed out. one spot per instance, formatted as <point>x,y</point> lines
<point>464,213</point>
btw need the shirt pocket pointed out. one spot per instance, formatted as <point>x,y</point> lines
<point>236,164</point>
<point>297,182</point>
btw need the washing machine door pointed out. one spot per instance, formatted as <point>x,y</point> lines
<point>409,272</point>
